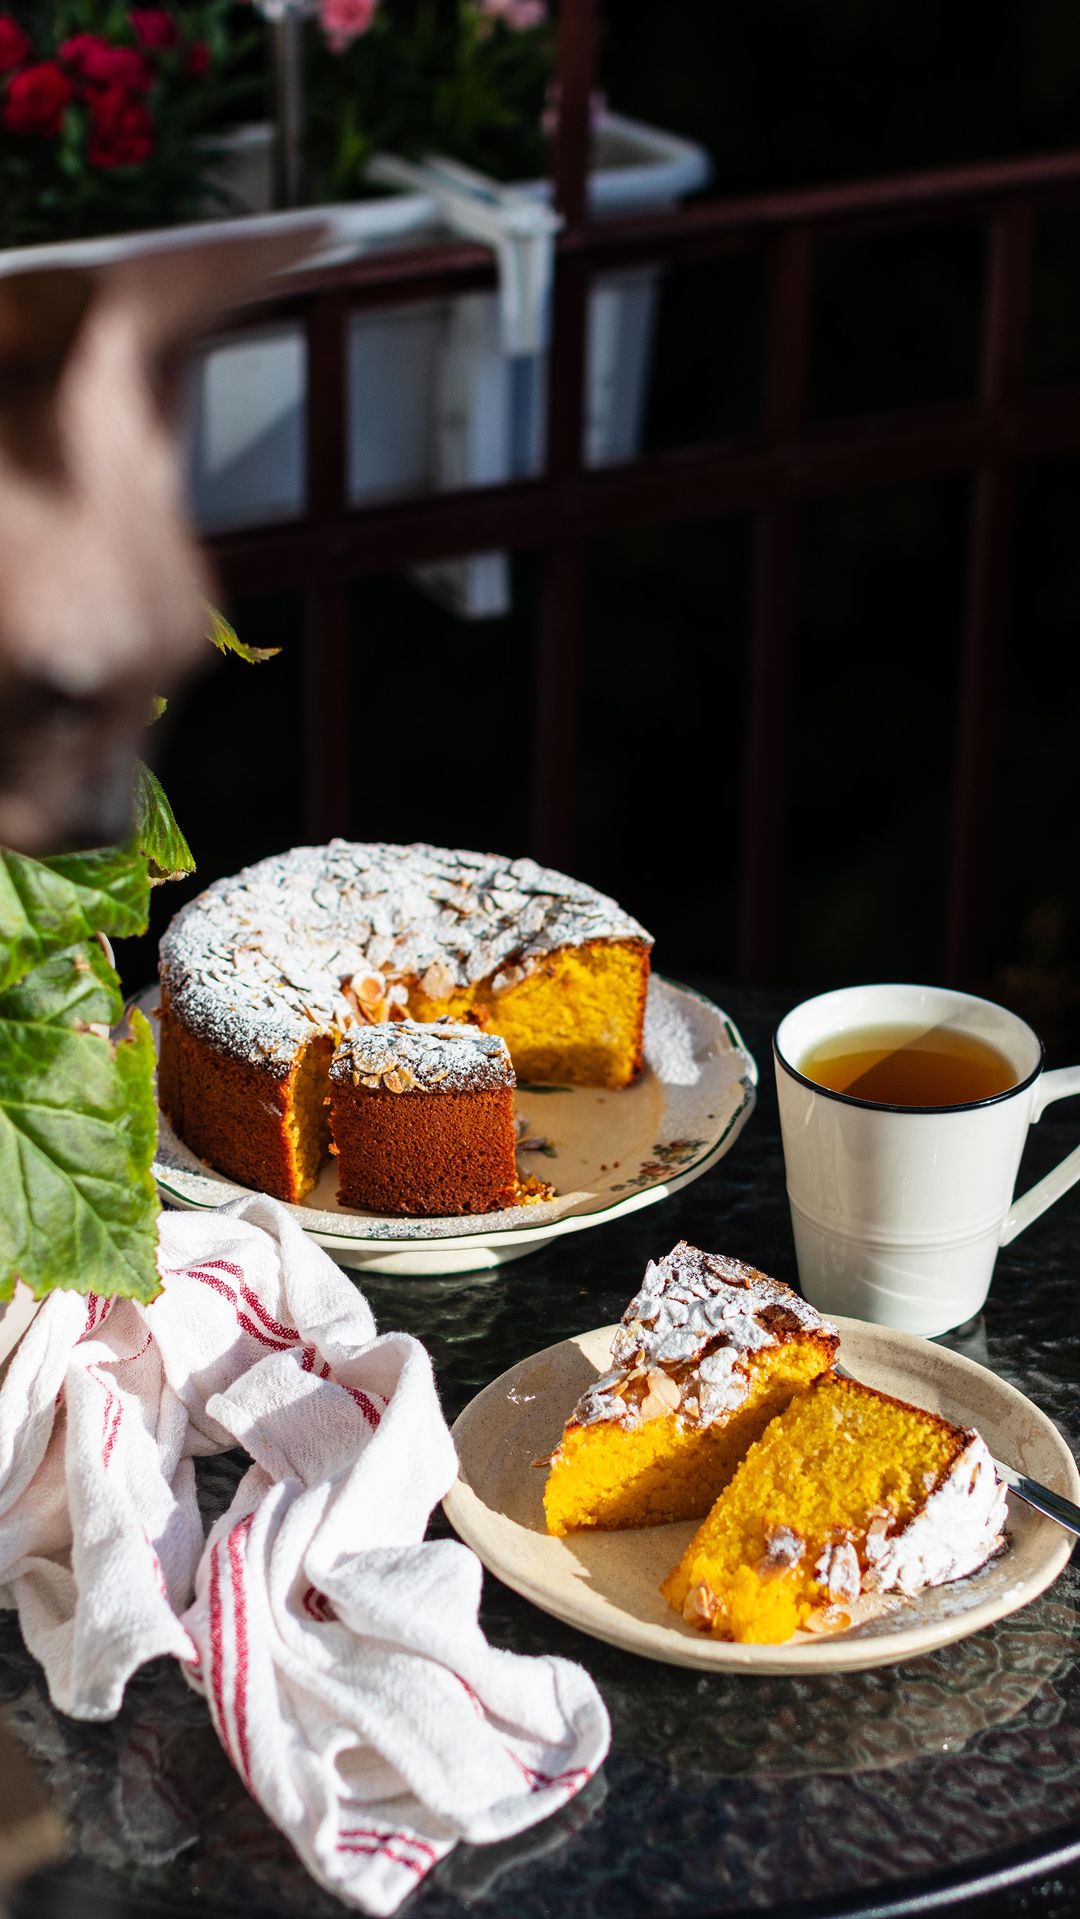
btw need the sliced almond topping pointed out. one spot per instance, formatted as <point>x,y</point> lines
<point>827,1619</point>
<point>665,1388</point>
<point>700,1607</point>
<point>438,981</point>
<point>369,986</point>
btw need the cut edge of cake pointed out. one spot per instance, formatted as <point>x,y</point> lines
<point>781,1576</point>
<point>706,1354</point>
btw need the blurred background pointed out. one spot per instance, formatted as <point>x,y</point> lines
<point>623,732</point>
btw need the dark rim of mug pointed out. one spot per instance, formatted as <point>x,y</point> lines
<point>883,1106</point>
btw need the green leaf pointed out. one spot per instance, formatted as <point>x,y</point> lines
<point>49,904</point>
<point>223,636</point>
<point>77,1131</point>
<point>157,708</point>
<point>167,852</point>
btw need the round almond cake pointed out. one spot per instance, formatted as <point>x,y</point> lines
<point>264,975</point>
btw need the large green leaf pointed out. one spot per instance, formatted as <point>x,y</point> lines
<point>168,854</point>
<point>49,904</point>
<point>78,1206</point>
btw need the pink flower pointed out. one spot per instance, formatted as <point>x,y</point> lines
<point>153,27</point>
<point>344,21</point>
<point>518,15</point>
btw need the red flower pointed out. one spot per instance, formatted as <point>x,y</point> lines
<point>14,45</point>
<point>121,130</point>
<point>36,99</point>
<point>198,60</point>
<point>154,27</point>
<point>98,65</point>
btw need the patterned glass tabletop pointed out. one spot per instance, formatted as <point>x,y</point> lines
<point>723,1793</point>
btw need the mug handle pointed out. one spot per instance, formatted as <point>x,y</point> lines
<point>1057,1085</point>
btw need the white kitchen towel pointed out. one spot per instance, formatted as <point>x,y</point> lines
<point>339,1653</point>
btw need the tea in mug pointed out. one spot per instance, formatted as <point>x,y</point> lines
<point>904,1065</point>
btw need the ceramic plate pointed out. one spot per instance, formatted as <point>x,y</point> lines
<point>607,1584</point>
<point>605,1153</point>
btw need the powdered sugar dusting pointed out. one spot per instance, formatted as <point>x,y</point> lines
<point>313,940</point>
<point>405,1055</point>
<point>959,1527</point>
<point>704,1314</point>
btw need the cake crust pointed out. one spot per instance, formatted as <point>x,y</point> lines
<point>423,1120</point>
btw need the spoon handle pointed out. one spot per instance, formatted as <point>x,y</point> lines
<point>1053,1505</point>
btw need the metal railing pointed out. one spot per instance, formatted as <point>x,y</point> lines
<point>771,475</point>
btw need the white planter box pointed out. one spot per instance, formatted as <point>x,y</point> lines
<point>431,392</point>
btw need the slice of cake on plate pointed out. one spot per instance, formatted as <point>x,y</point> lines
<point>422,1118</point>
<point>706,1354</point>
<point>848,1492</point>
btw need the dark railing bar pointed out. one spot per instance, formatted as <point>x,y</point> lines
<point>861,205</point>
<point>326,404</point>
<point>982,664</point>
<point>326,606</point>
<point>769,693</point>
<point>326,707</point>
<point>398,277</point>
<point>703,230</point>
<point>683,485</point>
<point>558,687</point>
<point>562,588</point>
<point>574,67</point>
<point>442,268</point>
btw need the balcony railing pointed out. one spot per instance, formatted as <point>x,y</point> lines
<point>770,475</point>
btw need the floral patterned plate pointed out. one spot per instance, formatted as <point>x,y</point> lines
<point>605,1153</point>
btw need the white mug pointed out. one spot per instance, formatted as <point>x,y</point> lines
<point>898,1211</point>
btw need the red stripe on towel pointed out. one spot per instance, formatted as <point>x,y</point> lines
<point>217,1693</point>
<point>237,1540</point>
<point>368,1839</point>
<point>247,1325</point>
<point>125,1358</point>
<point>367,1406</point>
<point>252,1299</point>
<point>106,1450</point>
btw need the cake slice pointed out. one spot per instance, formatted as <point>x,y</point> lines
<point>422,1118</point>
<point>706,1354</point>
<point>848,1492</point>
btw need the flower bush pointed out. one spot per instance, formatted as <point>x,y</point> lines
<point>101,120</point>
<point>468,78</point>
<point>104,114</point>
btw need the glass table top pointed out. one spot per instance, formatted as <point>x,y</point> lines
<point>722,1792</point>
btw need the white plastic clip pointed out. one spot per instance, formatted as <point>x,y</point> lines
<point>519,229</point>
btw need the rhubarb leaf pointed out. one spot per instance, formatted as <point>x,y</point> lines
<point>77,1132</point>
<point>46,905</point>
<point>167,852</point>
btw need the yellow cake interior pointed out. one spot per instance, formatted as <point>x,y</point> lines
<point>611,1476</point>
<point>840,1459</point>
<point>574,1019</point>
<point>307,1116</point>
